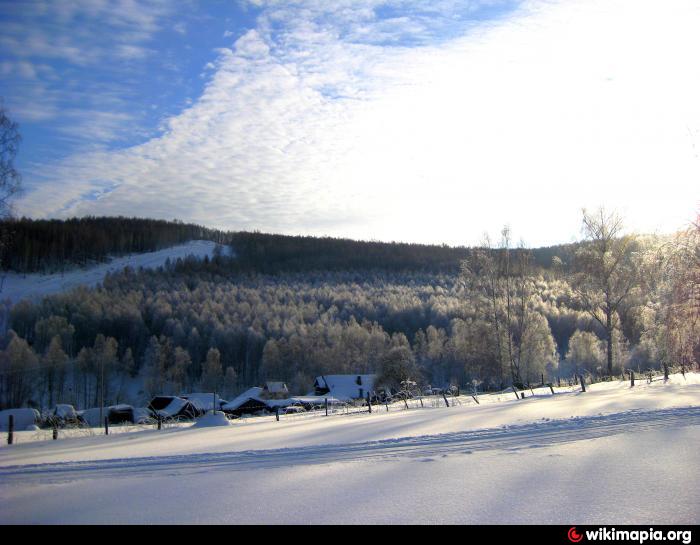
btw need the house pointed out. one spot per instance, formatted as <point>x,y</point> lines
<point>253,401</point>
<point>274,390</point>
<point>174,407</point>
<point>249,402</point>
<point>344,387</point>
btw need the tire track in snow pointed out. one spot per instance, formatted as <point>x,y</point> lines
<point>534,435</point>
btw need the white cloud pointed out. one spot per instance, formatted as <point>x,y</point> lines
<point>348,123</point>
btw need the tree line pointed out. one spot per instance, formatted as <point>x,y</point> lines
<point>54,245</point>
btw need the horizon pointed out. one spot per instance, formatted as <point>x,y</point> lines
<point>480,244</point>
<point>374,120</point>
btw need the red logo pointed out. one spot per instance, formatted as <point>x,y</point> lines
<point>574,536</point>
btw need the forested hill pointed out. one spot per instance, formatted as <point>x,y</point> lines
<point>270,253</point>
<point>52,245</point>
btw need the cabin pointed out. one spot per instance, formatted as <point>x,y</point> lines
<point>249,402</point>
<point>344,387</point>
<point>174,407</point>
<point>274,390</point>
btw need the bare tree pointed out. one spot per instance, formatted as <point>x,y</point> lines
<point>607,271</point>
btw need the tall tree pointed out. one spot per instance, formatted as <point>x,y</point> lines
<point>606,271</point>
<point>212,372</point>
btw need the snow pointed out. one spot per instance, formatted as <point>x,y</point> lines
<point>204,401</point>
<point>65,411</point>
<point>34,286</point>
<point>23,418</point>
<point>612,455</point>
<point>212,420</point>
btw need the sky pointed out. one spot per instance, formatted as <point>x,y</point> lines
<point>423,121</point>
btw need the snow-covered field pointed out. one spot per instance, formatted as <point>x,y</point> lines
<point>33,286</point>
<point>612,455</point>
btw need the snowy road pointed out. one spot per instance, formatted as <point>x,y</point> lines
<point>513,438</point>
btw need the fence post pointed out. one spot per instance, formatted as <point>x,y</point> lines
<point>447,403</point>
<point>277,411</point>
<point>159,420</point>
<point>631,378</point>
<point>405,401</point>
<point>386,402</point>
<point>583,384</point>
<point>326,404</point>
<point>551,387</point>
<point>369,403</point>
<point>106,425</point>
<point>559,382</point>
<point>665,371</point>
<point>55,433</point>
<point>542,379</point>
<point>421,402</point>
<point>11,430</point>
<point>515,392</point>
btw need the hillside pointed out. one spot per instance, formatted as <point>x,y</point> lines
<point>33,286</point>
<point>59,245</point>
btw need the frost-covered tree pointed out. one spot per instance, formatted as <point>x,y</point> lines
<point>212,372</point>
<point>54,365</point>
<point>606,272</point>
<point>585,353</point>
<point>396,366</point>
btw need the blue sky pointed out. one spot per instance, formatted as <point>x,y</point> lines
<point>394,120</point>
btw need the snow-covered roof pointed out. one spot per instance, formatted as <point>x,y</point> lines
<point>204,401</point>
<point>276,387</point>
<point>250,393</point>
<point>346,386</point>
<point>174,407</point>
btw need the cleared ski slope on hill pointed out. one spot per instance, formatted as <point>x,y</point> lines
<point>611,455</point>
<point>33,286</point>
